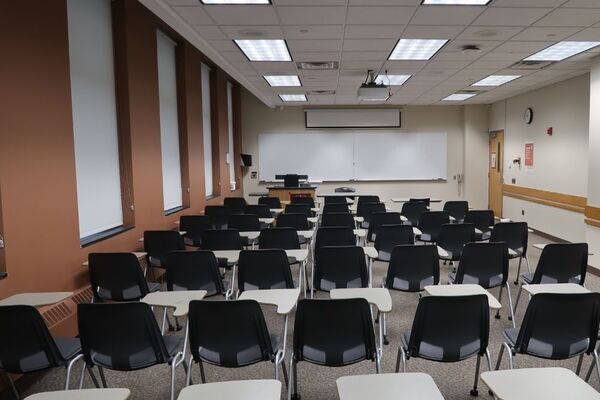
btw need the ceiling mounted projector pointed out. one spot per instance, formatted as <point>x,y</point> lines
<point>371,91</point>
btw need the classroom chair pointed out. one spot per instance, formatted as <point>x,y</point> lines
<point>381,218</point>
<point>453,237</point>
<point>290,220</point>
<point>261,210</point>
<point>231,334</point>
<point>219,215</point>
<point>118,277</point>
<point>516,236</point>
<point>413,210</point>
<point>367,199</point>
<point>278,238</point>
<point>157,244</point>
<point>483,220</point>
<point>338,267</point>
<point>332,333</point>
<point>448,329</point>
<point>555,327</point>
<point>457,209</point>
<point>299,208</point>
<point>194,270</point>
<point>271,202</point>
<point>193,226</point>
<point>412,267</point>
<point>430,224</point>
<point>304,200</point>
<point>334,236</point>
<point>222,239</point>
<point>28,346</point>
<point>336,200</point>
<point>264,269</point>
<point>366,210</point>
<point>425,200</point>
<point>338,219</point>
<point>390,236</point>
<point>335,208</point>
<point>135,345</point>
<point>237,205</point>
<point>244,223</point>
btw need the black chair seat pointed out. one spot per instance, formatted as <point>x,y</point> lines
<point>68,347</point>
<point>144,357</point>
<point>404,285</point>
<point>495,281</point>
<point>482,236</point>
<point>432,352</point>
<point>517,253</point>
<point>153,287</point>
<point>384,256</point>
<point>527,277</point>
<point>541,349</point>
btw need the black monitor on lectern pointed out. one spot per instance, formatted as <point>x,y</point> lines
<point>291,180</point>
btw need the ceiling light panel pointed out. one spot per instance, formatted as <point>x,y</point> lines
<point>496,80</point>
<point>459,97</point>
<point>562,50</point>
<point>236,1</point>
<point>264,50</point>
<point>392,80</point>
<point>457,2</point>
<point>283,80</point>
<point>416,49</point>
<point>292,97</point>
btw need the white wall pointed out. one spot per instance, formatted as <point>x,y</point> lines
<point>258,118</point>
<point>476,154</point>
<point>560,160</point>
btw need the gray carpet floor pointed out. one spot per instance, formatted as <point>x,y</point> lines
<point>453,379</point>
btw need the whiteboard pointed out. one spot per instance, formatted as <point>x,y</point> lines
<point>361,156</point>
<point>321,156</point>
<point>400,156</point>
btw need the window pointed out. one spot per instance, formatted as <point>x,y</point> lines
<point>207,132</point>
<point>94,118</point>
<point>230,151</point>
<point>169,125</point>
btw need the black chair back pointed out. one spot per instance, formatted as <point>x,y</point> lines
<point>412,268</point>
<point>298,208</point>
<point>559,326</point>
<point>562,263</point>
<point>194,270</point>
<point>244,222</point>
<point>304,200</point>
<point>222,239</point>
<point>219,215</point>
<point>237,205</point>
<point>338,219</point>
<point>431,223</point>
<point>381,218</point>
<point>339,267</point>
<point>425,200</point>
<point>335,208</point>
<point>264,269</point>
<point>366,210</point>
<point>229,333</point>
<point>514,234</point>
<point>390,236</point>
<point>453,237</point>
<point>271,202</point>
<point>334,236</point>
<point>367,199</point>
<point>457,209</point>
<point>193,226</point>
<point>336,200</point>
<point>484,264</point>
<point>157,244</point>
<point>261,211</point>
<point>450,328</point>
<point>297,221</point>
<point>120,336</point>
<point>333,333</point>
<point>27,345</point>
<point>116,277</point>
<point>278,238</point>
<point>413,210</point>
<point>482,219</point>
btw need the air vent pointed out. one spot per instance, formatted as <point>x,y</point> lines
<point>317,65</point>
<point>523,64</point>
<point>320,92</point>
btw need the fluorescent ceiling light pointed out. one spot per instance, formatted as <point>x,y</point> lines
<point>457,2</point>
<point>459,97</point>
<point>264,50</point>
<point>283,80</point>
<point>393,80</point>
<point>416,49</point>
<point>561,51</point>
<point>496,80</point>
<point>292,97</point>
<point>236,1</point>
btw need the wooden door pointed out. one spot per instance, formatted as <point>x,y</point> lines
<point>495,163</point>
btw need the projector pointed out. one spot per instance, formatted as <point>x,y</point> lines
<point>373,92</point>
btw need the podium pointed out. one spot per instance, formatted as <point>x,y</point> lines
<point>287,193</point>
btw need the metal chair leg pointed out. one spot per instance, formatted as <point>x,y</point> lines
<point>579,362</point>
<point>93,376</point>
<point>13,388</point>
<point>474,391</point>
<point>510,303</point>
<point>489,359</point>
<point>188,377</point>
<point>500,354</point>
<point>70,369</point>
<point>527,262</point>
<point>398,359</point>
<point>293,392</point>
<point>202,374</point>
<point>519,271</point>
<point>285,374</point>
<point>102,377</point>
<point>518,296</point>
<point>497,316</point>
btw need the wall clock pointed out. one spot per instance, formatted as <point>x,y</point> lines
<point>528,116</point>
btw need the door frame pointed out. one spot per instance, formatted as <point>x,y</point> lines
<point>500,165</point>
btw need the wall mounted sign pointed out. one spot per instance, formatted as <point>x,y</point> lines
<point>529,155</point>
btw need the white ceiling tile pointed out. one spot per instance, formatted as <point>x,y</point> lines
<point>364,55</point>
<point>511,16</point>
<point>313,31</point>
<point>309,2</point>
<point>253,32</point>
<point>379,15</point>
<point>453,65</point>
<point>364,64</point>
<point>590,34</point>
<point>316,56</point>
<point>571,17</point>
<point>523,47</point>
<point>236,56</point>
<point>385,2</point>
<point>583,4</point>
<point>369,45</point>
<point>243,15</point>
<point>480,33</point>
<point>432,32</point>
<point>527,3</point>
<point>373,31</point>
<point>545,33</point>
<point>274,66</point>
<point>313,45</point>
<point>505,56</point>
<point>224,45</point>
<point>182,2</point>
<point>462,15</point>
<point>210,32</point>
<point>194,15</point>
<point>312,15</point>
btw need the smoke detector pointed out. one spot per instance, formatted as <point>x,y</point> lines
<point>471,49</point>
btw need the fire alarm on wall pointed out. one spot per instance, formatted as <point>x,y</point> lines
<point>549,131</point>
